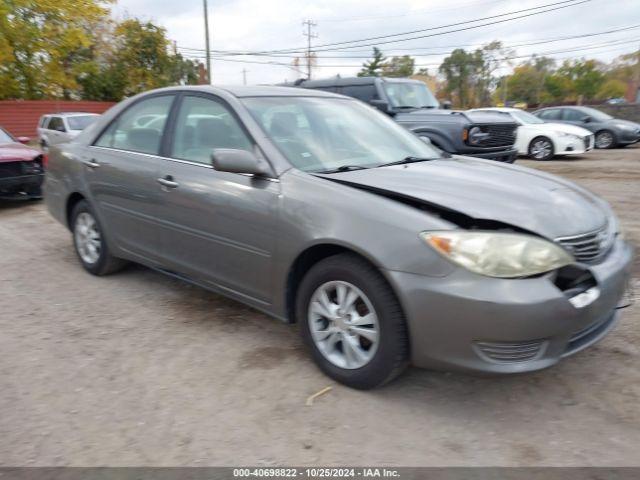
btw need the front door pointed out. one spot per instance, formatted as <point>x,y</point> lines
<point>219,227</point>
<point>121,169</point>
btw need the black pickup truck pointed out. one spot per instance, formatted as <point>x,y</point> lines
<point>411,104</point>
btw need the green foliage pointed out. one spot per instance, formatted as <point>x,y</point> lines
<point>612,88</point>
<point>403,66</point>
<point>470,76</point>
<point>72,49</point>
<point>373,67</point>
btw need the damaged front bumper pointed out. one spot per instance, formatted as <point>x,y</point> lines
<point>468,322</point>
<point>21,187</point>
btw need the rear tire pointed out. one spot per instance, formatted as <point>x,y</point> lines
<point>369,343</point>
<point>605,139</point>
<point>541,148</point>
<point>89,242</point>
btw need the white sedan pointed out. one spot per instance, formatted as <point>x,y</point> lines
<point>541,141</point>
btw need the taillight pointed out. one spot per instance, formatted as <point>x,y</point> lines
<point>45,160</point>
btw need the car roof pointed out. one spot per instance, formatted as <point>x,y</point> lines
<point>352,81</point>
<point>70,114</point>
<point>252,91</point>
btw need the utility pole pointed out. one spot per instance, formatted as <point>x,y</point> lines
<point>244,76</point>
<point>310,34</point>
<point>206,41</point>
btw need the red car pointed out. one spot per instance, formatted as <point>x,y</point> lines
<point>21,168</point>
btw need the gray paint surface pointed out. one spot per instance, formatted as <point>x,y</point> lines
<point>241,235</point>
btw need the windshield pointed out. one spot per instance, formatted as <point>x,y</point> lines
<point>323,134</point>
<point>80,122</point>
<point>597,115</point>
<point>5,137</point>
<point>525,117</point>
<point>410,94</point>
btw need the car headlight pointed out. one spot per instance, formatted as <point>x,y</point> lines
<point>475,135</point>
<point>568,135</point>
<point>495,254</point>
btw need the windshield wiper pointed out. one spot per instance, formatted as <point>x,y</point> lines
<point>405,160</point>
<point>344,168</point>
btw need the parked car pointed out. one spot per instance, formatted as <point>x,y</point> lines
<point>21,168</point>
<point>317,209</point>
<point>542,141</point>
<point>412,105</point>
<point>610,132</point>
<point>62,127</point>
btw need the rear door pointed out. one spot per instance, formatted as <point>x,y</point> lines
<point>121,169</point>
<point>218,228</point>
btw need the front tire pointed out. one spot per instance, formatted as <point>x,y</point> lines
<point>352,322</point>
<point>541,148</point>
<point>89,242</point>
<point>605,139</point>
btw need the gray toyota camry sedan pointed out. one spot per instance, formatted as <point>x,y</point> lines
<point>321,211</point>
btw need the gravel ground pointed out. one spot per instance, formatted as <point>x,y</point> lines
<point>140,369</point>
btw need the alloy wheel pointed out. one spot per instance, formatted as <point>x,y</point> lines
<point>88,239</point>
<point>541,149</point>
<point>344,325</point>
<point>604,140</point>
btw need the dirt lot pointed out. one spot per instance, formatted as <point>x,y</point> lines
<point>140,369</point>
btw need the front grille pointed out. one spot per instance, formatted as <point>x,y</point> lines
<point>588,142</point>
<point>499,135</point>
<point>510,352</point>
<point>588,247</point>
<point>10,169</point>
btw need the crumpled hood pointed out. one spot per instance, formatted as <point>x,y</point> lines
<point>16,152</point>
<point>488,190</point>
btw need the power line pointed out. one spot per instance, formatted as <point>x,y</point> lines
<point>432,53</point>
<point>502,59</point>
<point>341,45</point>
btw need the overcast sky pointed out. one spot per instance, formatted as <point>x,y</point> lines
<point>259,25</point>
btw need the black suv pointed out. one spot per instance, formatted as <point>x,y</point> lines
<point>411,104</point>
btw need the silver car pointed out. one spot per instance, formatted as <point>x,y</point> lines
<point>61,127</point>
<point>321,211</point>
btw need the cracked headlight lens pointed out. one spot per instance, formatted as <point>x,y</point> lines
<point>495,254</point>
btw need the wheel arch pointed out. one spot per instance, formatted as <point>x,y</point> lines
<point>71,202</point>
<point>310,257</point>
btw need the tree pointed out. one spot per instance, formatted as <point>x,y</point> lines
<point>612,88</point>
<point>403,66</point>
<point>44,45</point>
<point>460,70</point>
<point>373,67</point>
<point>524,84</point>
<point>586,76</point>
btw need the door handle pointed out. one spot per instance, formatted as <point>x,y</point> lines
<point>91,163</point>
<point>168,182</point>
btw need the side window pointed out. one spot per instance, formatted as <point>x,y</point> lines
<point>572,115</point>
<point>202,125</point>
<point>128,132</point>
<point>553,114</point>
<point>366,93</point>
<point>55,123</point>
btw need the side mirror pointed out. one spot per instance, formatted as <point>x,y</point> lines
<point>587,119</point>
<point>238,161</point>
<point>382,106</point>
<point>24,140</point>
<point>446,105</point>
